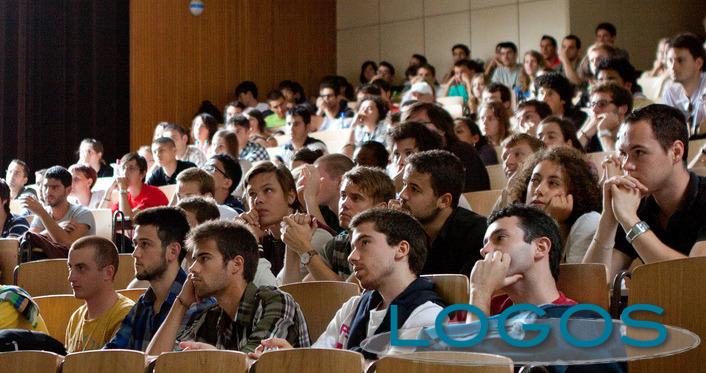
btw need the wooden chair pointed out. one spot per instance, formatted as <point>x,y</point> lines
<point>43,277</point>
<point>133,294</point>
<point>482,202</point>
<point>201,361</point>
<point>9,249</point>
<point>105,361</point>
<point>56,310</point>
<point>334,139</point>
<point>126,271</point>
<point>585,283</point>
<point>429,362</point>
<point>678,287</point>
<point>694,149</point>
<point>498,180</point>
<point>455,110</point>
<point>310,360</point>
<point>450,100</point>
<point>104,223</point>
<point>29,361</point>
<point>453,288</point>
<point>103,183</point>
<point>169,191</point>
<point>319,301</point>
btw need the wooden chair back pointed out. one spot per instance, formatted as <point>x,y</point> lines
<point>585,283</point>
<point>105,361</point>
<point>334,139</point>
<point>453,288</point>
<point>450,100</point>
<point>694,149</point>
<point>43,277</point>
<point>498,180</point>
<point>104,223</point>
<point>201,361</point>
<point>444,361</point>
<point>29,361</point>
<point>9,250</point>
<point>126,271</point>
<point>678,287</point>
<point>133,294</point>
<point>482,202</point>
<point>169,191</point>
<point>310,360</point>
<point>319,301</point>
<point>56,310</point>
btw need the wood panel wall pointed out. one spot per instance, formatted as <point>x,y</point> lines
<point>178,60</point>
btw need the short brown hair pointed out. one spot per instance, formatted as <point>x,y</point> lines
<point>197,175</point>
<point>284,177</point>
<point>373,181</point>
<point>204,209</point>
<point>233,239</point>
<point>668,125</point>
<point>106,253</point>
<point>518,138</point>
<point>620,95</point>
<point>335,164</point>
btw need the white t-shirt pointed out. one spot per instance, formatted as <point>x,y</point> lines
<point>580,236</point>
<point>338,330</point>
<point>227,213</point>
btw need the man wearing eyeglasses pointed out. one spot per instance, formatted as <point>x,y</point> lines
<point>226,173</point>
<point>329,104</point>
<point>610,103</point>
<point>133,194</point>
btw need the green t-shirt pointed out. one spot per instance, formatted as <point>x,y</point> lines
<point>273,121</point>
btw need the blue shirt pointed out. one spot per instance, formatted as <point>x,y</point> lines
<point>15,226</point>
<point>141,323</point>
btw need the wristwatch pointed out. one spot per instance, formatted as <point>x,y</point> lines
<point>636,230</point>
<point>306,257</point>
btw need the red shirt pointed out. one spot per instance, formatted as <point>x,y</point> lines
<point>502,302</point>
<point>149,197</point>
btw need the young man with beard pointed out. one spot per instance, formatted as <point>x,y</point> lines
<point>159,249</point>
<point>431,188</point>
<point>362,188</point>
<point>225,260</point>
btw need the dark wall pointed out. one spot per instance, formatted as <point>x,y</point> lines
<point>64,76</point>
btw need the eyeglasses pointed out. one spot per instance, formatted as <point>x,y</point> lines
<point>600,103</point>
<point>212,168</point>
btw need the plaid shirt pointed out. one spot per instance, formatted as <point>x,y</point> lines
<point>336,253</point>
<point>141,324</point>
<point>254,152</point>
<point>264,312</point>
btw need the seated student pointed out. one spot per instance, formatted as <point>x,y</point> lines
<point>225,260</point>
<point>556,132</point>
<point>610,103</point>
<point>278,105</point>
<point>83,178</point>
<point>460,83</point>
<point>557,92</point>
<point>517,148</point>
<point>318,188</point>
<point>467,131</point>
<point>203,126</point>
<point>133,194</point>
<point>164,151</point>
<point>439,120</point>
<point>389,250</point>
<point>246,92</point>
<point>406,139</point>
<point>146,152</point>
<point>334,115</point>
<point>159,249</point>
<point>298,121</point>
<point>13,226</point>
<point>305,156</point>
<point>199,210</point>
<point>257,132</point>
<point>521,256</point>
<point>371,154</point>
<point>272,195</point>
<point>248,148</point>
<point>431,190</point>
<point>528,115</point>
<point>361,188</point>
<point>224,142</point>
<point>494,122</point>
<point>184,151</point>
<point>17,176</point>
<point>369,124</point>
<point>56,226</point>
<point>562,182</point>
<point>90,153</point>
<point>18,310</point>
<point>227,175</point>
<point>93,262</point>
<point>197,182</point>
<point>497,92</point>
<point>657,201</point>
<point>622,73</point>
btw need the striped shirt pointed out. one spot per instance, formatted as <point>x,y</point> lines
<point>15,226</point>
<point>264,312</point>
<point>141,323</point>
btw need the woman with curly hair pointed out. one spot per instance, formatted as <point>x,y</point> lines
<point>562,183</point>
